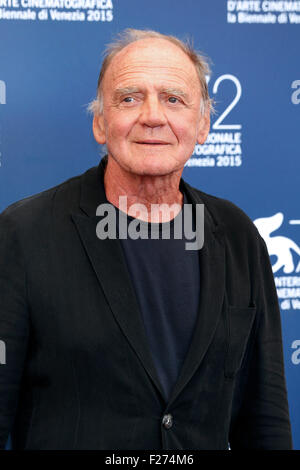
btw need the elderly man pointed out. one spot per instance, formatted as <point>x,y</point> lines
<point>119,342</point>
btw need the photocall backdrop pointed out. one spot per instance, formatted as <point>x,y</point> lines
<point>50,55</point>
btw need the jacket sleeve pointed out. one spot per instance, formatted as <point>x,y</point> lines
<point>262,419</point>
<point>14,324</point>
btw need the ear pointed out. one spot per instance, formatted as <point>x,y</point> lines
<point>203,127</point>
<point>99,129</point>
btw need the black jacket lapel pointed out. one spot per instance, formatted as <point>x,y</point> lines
<point>108,261</point>
<point>212,289</point>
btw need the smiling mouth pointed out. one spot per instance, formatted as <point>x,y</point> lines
<point>152,142</point>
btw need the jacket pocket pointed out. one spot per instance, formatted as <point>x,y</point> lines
<point>239,325</point>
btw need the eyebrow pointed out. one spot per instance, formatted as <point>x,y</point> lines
<point>174,91</point>
<point>126,91</point>
<point>169,91</point>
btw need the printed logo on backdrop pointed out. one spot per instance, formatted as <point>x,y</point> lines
<point>2,92</point>
<point>223,146</point>
<point>286,250</point>
<point>263,12</point>
<point>296,354</point>
<point>57,10</point>
<point>295,98</point>
<point>2,101</point>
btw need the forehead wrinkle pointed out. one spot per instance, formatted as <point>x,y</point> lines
<point>185,72</point>
<point>153,53</point>
<point>179,72</point>
<point>135,83</point>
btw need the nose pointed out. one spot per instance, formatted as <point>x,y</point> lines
<point>152,113</point>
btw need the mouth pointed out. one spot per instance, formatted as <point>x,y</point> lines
<point>151,142</point>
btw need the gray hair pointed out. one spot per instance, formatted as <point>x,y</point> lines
<point>128,36</point>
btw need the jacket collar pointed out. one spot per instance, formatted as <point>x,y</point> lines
<point>92,193</point>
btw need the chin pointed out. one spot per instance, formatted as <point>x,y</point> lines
<point>152,170</point>
<point>154,166</point>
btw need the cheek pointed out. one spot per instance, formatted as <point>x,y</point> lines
<point>185,131</point>
<point>119,125</point>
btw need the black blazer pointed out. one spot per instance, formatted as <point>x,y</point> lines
<point>79,373</point>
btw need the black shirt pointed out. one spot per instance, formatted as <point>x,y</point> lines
<point>166,278</point>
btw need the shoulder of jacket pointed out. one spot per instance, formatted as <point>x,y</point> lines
<point>233,220</point>
<point>33,207</point>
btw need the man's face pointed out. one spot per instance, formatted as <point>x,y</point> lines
<point>151,117</point>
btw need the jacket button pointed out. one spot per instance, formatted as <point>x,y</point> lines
<point>167,421</point>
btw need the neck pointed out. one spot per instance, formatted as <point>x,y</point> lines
<point>159,197</point>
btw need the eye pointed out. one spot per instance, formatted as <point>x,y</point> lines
<point>173,99</point>
<point>128,99</point>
